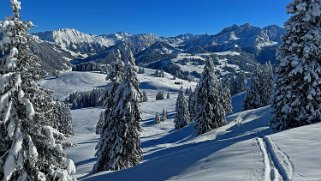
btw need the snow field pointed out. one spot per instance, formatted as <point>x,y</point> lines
<point>244,149</point>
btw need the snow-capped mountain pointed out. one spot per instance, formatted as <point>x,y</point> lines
<point>119,36</point>
<point>158,51</point>
<point>252,43</point>
<point>76,42</point>
<point>247,37</point>
<point>180,39</point>
<point>140,42</point>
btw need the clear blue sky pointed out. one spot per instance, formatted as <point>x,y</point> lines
<point>162,17</point>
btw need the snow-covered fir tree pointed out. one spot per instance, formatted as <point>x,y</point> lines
<point>226,98</point>
<point>192,105</point>
<point>252,99</point>
<point>237,83</point>
<point>157,119</point>
<point>160,95</point>
<point>119,145</point>
<point>115,75</point>
<point>30,149</point>
<point>93,98</point>
<point>162,73</point>
<point>210,112</point>
<point>261,89</point>
<point>298,85</point>
<point>268,84</point>
<point>62,120</point>
<point>188,91</point>
<point>145,98</point>
<point>157,74</point>
<point>182,115</point>
<point>141,70</point>
<point>164,116</point>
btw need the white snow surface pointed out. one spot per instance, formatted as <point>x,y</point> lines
<point>244,149</point>
<point>70,82</point>
<point>192,67</point>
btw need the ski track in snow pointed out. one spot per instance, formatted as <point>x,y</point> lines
<point>270,171</point>
<point>275,168</point>
<point>284,165</point>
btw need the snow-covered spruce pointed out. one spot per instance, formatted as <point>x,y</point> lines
<point>298,84</point>
<point>160,95</point>
<point>210,112</point>
<point>192,106</point>
<point>141,70</point>
<point>61,119</point>
<point>93,98</point>
<point>145,98</point>
<point>259,94</point>
<point>164,116</point>
<point>182,114</point>
<point>115,75</point>
<point>237,83</point>
<point>157,119</point>
<point>226,98</point>
<point>159,73</point>
<point>30,149</point>
<point>119,145</point>
<point>168,96</point>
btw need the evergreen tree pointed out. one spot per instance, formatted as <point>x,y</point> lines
<point>186,92</point>
<point>192,106</point>
<point>160,95</point>
<point>259,94</point>
<point>242,82</point>
<point>141,70</point>
<point>30,149</point>
<point>145,99</point>
<point>62,120</point>
<point>238,83</point>
<point>119,145</point>
<point>156,73</point>
<point>298,86</point>
<point>115,75</point>
<point>157,119</point>
<point>182,114</point>
<point>253,96</point>
<point>101,122</point>
<point>164,116</point>
<point>162,74</point>
<point>267,84</point>
<point>210,112</point>
<point>226,99</point>
<point>168,95</point>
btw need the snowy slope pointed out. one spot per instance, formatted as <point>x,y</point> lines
<point>244,149</point>
<point>85,119</point>
<point>70,82</point>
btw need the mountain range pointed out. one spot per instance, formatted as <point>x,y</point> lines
<point>243,44</point>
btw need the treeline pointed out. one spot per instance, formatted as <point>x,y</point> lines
<point>94,98</point>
